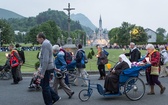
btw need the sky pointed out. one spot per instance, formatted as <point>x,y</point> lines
<point>146,13</point>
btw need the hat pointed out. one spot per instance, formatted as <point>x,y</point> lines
<point>56,47</point>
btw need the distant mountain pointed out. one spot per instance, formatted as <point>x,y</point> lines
<point>83,20</point>
<point>59,17</point>
<point>6,14</point>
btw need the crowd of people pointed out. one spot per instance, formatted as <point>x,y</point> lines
<point>53,61</point>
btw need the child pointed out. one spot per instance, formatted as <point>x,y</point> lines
<point>35,81</point>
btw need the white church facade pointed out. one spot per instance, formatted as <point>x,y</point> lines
<point>101,37</point>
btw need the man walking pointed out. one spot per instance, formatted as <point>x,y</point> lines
<point>22,56</point>
<point>80,65</point>
<point>134,53</point>
<point>46,68</point>
<point>15,62</point>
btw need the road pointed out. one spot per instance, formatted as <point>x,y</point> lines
<point>20,95</point>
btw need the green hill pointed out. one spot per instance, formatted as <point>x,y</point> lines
<point>83,20</point>
<point>60,18</point>
<point>6,14</point>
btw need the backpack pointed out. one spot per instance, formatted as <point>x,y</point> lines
<point>67,57</point>
<point>105,52</point>
<point>162,59</point>
<point>13,59</point>
<point>22,56</point>
<point>84,58</point>
<point>105,59</point>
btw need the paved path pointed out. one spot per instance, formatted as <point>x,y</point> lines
<point>20,95</point>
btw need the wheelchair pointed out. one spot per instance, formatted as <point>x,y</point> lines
<point>133,86</point>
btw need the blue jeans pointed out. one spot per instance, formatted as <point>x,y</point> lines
<point>48,93</point>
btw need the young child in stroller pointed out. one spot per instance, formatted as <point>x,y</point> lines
<point>35,81</point>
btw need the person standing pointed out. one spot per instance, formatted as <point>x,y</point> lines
<point>80,65</point>
<point>164,67</point>
<point>101,66</point>
<point>46,68</point>
<point>15,62</point>
<point>60,65</point>
<point>153,58</point>
<point>22,56</point>
<point>134,53</point>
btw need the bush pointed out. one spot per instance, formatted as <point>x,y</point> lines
<point>37,64</point>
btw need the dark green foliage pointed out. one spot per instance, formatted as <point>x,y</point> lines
<point>7,34</point>
<point>92,52</point>
<point>122,35</point>
<point>59,17</point>
<point>89,55</point>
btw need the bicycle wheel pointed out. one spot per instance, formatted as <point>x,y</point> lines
<point>6,76</point>
<point>84,95</point>
<point>72,76</point>
<point>134,88</point>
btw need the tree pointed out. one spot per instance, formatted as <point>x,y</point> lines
<point>7,34</point>
<point>160,34</point>
<point>123,34</point>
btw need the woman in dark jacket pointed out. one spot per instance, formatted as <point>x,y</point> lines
<point>101,66</point>
<point>112,80</point>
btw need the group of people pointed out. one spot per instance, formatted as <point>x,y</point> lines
<point>153,58</point>
<point>16,58</point>
<point>58,66</point>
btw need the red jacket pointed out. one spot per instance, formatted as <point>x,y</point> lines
<point>154,58</point>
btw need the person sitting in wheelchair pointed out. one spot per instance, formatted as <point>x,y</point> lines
<point>112,79</point>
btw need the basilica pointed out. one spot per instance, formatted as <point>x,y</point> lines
<point>100,36</point>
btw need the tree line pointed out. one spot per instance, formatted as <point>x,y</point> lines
<point>131,33</point>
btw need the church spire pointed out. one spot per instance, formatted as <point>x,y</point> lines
<point>100,23</point>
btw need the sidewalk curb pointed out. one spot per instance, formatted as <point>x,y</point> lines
<point>29,74</point>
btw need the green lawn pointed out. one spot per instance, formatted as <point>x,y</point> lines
<point>91,65</point>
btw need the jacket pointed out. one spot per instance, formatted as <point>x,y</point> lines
<point>46,57</point>
<point>59,61</point>
<point>154,59</point>
<point>134,54</point>
<point>100,57</point>
<point>79,57</point>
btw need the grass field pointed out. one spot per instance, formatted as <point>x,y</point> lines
<point>91,65</point>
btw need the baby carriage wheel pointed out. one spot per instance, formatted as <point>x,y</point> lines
<point>6,76</point>
<point>134,88</point>
<point>84,95</point>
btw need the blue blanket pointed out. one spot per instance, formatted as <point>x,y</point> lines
<point>135,70</point>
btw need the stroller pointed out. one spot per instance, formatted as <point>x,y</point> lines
<point>35,82</point>
<point>5,71</point>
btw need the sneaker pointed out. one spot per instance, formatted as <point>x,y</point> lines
<point>56,101</point>
<point>14,83</point>
<point>71,95</point>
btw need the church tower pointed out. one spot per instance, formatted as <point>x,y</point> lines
<point>100,23</point>
<point>100,28</point>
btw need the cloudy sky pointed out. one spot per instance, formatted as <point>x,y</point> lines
<point>147,13</point>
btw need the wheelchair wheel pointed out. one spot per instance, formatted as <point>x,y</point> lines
<point>134,88</point>
<point>6,76</point>
<point>84,95</point>
<point>72,76</point>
